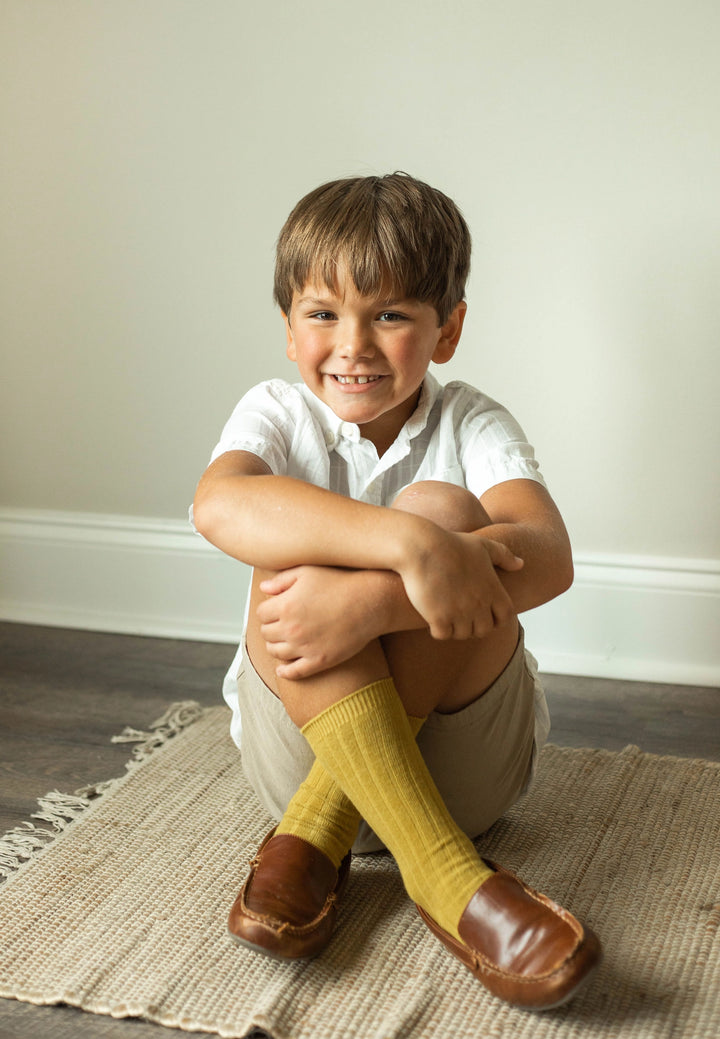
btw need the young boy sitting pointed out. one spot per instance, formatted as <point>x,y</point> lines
<point>396,529</point>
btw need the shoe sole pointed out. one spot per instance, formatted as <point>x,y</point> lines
<point>269,952</point>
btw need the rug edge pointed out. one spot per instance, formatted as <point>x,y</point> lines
<point>632,750</point>
<point>22,845</point>
<point>130,1012</point>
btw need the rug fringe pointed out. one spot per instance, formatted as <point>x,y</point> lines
<point>25,841</point>
<point>177,717</point>
<point>60,809</point>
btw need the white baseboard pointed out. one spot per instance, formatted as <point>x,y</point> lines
<point>647,619</point>
<point>636,618</point>
<point>118,573</point>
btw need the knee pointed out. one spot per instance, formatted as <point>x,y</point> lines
<point>450,506</point>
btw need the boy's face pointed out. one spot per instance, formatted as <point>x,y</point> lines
<point>366,357</point>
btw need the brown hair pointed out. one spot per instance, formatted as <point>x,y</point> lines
<point>392,232</point>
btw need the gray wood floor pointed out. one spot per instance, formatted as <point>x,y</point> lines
<point>64,694</point>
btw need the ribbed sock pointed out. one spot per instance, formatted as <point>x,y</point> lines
<point>367,746</point>
<point>322,814</point>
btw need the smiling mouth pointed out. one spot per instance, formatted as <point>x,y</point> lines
<point>356,380</point>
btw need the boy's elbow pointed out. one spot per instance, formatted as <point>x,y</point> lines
<point>558,574</point>
<point>569,575</point>
<point>204,513</point>
<point>565,573</point>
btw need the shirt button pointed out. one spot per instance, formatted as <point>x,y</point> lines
<point>329,437</point>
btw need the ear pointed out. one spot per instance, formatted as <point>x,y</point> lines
<point>290,348</point>
<point>450,334</point>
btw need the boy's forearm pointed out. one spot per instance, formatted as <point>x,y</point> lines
<point>277,522</point>
<point>548,569</point>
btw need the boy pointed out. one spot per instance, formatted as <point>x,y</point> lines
<point>396,529</point>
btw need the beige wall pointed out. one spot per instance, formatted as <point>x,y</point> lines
<point>152,148</point>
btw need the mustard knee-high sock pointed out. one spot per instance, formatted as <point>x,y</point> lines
<point>367,746</point>
<point>321,814</point>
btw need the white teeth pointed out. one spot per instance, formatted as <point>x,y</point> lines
<point>361,379</point>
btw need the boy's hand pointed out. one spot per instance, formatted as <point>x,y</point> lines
<point>453,585</point>
<point>313,619</point>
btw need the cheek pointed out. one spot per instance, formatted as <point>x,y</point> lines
<point>308,354</point>
<point>411,360</point>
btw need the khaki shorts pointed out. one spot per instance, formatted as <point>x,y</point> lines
<point>481,757</point>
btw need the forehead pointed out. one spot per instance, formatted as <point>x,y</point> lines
<point>339,283</point>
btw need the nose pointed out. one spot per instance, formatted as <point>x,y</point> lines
<point>357,341</point>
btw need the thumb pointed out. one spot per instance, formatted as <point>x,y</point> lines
<point>502,556</point>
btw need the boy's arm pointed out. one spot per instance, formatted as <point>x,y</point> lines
<point>277,522</point>
<point>527,521</point>
<point>306,606</point>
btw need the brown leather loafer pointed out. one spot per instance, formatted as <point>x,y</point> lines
<point>520,945</point>
<point>288,904</point>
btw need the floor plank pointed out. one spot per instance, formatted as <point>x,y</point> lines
<point>64,694</point>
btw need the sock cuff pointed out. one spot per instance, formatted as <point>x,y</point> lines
<point>378,696</point>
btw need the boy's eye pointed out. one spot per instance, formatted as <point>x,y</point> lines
<point>391,315</point>
<point>323,315</point>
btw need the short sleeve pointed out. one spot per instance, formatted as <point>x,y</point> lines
<point>491,443</point>
<point>262,424</point>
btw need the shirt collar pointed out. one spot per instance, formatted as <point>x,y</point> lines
<point>419,418</point>
<point>335,429</point>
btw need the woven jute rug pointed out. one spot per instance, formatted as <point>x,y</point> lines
<point>124,911</point>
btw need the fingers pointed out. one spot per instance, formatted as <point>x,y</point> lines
<point>503,610</point>
<point>442,631</point>
<point>267,613</point>
<point>279,582</point>
<point>474,625</point>
<point>501,556</point>
<point>295,669</point>
<point>281,651</point>
<point>464,628</point>
<point>301,667</point>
